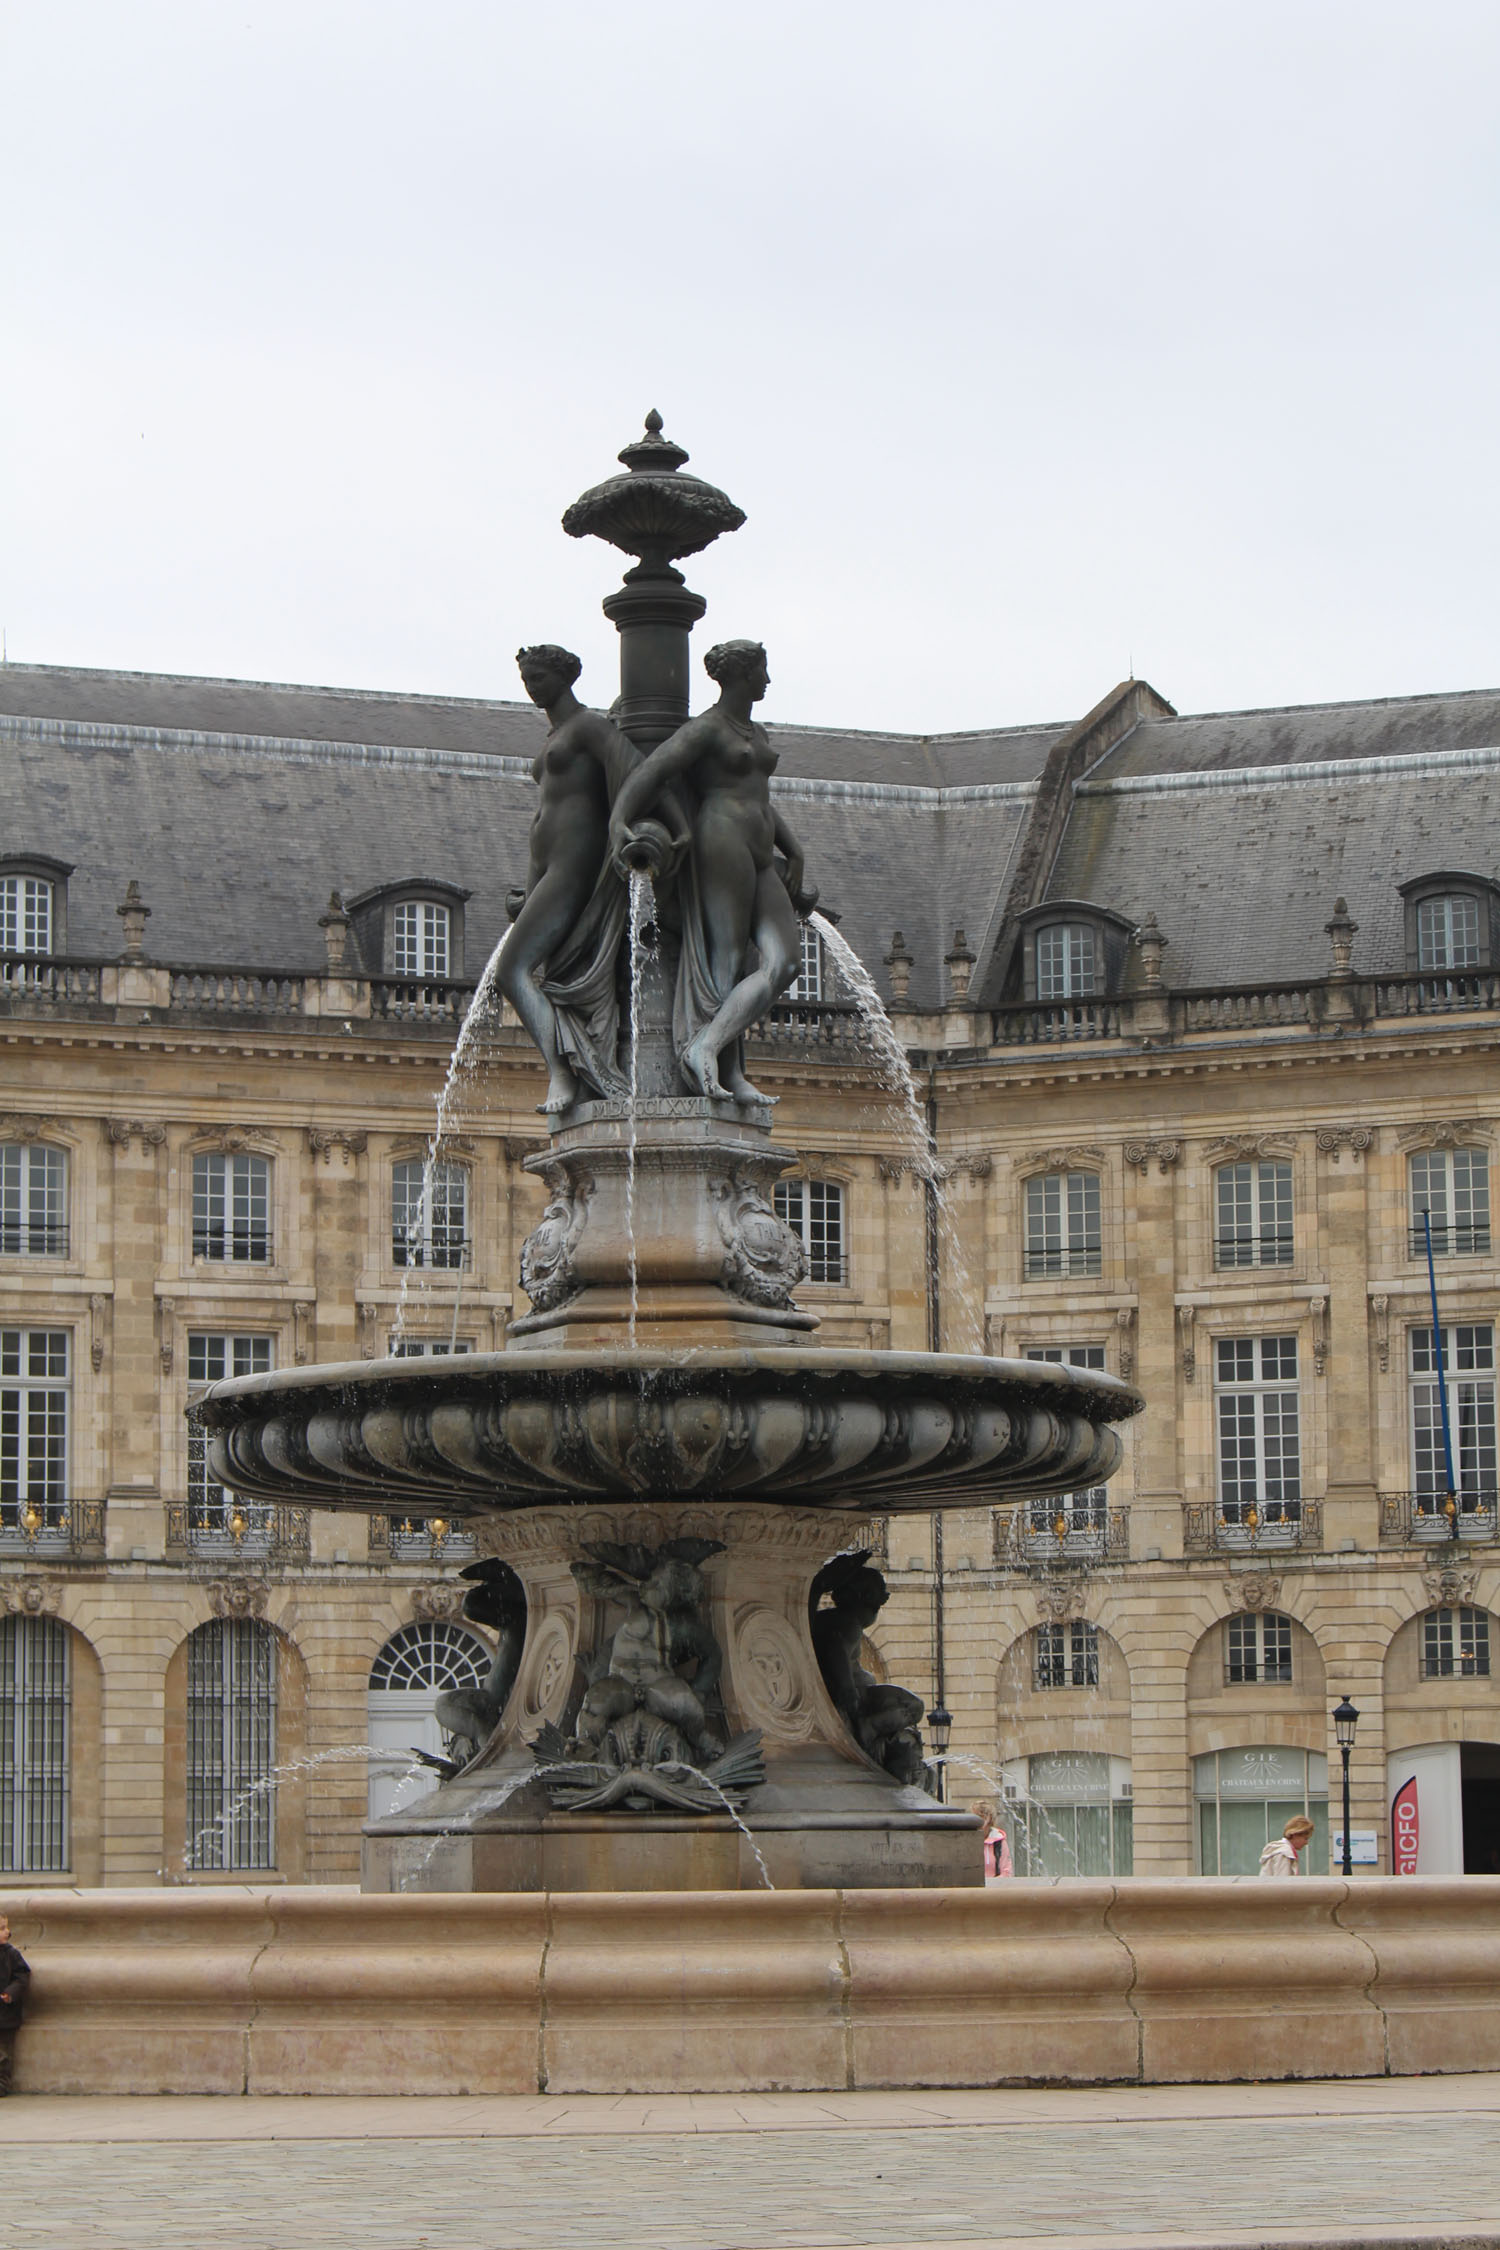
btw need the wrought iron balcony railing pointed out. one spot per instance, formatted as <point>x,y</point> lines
<point>29,1240</point>
<point>424,1539</point>
<point>1428,1519</point>
<point>1251,1527</point>
<point>52,1529</point>
<point>231,1530</point>
<point>1469,1238</point>
<point>1075,1527</point>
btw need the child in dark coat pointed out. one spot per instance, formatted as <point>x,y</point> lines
<point>15,1976</point>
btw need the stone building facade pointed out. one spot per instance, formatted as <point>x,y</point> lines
<point>1216,1050</point>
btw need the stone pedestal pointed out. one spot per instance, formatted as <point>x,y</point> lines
<point>826,1816</point>
<point>661,1223</point>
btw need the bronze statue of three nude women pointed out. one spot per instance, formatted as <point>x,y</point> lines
<point>698,806</point>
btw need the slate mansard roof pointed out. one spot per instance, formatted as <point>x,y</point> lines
<point>239,805</point>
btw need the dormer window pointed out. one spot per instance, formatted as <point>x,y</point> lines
<point>1071,952</point>
<point>419,938</point>
<point>411,929</point>
<point>1448,932</point>
<point>32,893</point>
<point>1067,961</point>
<point>809,982</point>
<point>1451,923</point>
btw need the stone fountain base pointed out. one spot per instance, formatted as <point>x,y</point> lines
<point>825,1816</point>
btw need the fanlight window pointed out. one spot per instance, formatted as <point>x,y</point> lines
<point>1456,1644</point>
<point>428,1655</point>
<point>1067,1655</point>
<point>1258,1647</point>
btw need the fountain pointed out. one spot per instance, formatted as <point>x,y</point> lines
<point>667,1477</point>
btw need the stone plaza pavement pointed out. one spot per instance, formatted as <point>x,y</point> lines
<point>1371,2162</point>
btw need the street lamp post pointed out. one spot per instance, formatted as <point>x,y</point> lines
<point>940,1727</point>
<point>1345,1720</point>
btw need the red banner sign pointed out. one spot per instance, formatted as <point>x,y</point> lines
<point>1406,1828</point>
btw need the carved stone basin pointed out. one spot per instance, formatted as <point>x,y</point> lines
<point>814,1428</point>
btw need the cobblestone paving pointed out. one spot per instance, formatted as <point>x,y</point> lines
<point>1173,2180</point>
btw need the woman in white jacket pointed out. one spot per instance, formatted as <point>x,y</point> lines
<point>1280,1857</point>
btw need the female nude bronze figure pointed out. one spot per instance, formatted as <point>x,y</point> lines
<point>734,895</point>
<point>558,967</point>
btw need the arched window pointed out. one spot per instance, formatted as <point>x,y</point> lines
<point>1448,932</point>
<point>26,917</point>
<point>33,1201</point>
<point>1456,1644</point>
<point>1246,1797</point>
<point>1067,1655</point>
<point>1258,1647</point>
<point>1450,1187</point>
<point>419,938</point>
<point>1253,1214</point>
<point>814,1210</point>
<point>413,1669</point>
<point>429,1217</point>
<point>1064,1228</point>
<point>1067,961</point>
<point>35,1708</point>
<point>231,1745</point>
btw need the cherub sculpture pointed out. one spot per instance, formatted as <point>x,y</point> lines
<point>885,1721</point>
<point>664,1658</point>
<point>647,1731</point>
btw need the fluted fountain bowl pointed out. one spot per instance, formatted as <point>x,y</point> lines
<point>861,1431</point>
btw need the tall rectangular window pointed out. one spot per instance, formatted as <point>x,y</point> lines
<point>33,1201</point>
<point>231,1745</point>
<point>1448,933</point>
<point>1456,1644</point>
<point>232,1208</point>
<point>420,938</point>
<point>1258,1646</point>
<point>34,1381</point>
<point>1253,1215</point>
<point>814,1210</point>
<point>1066,961</point>
<point>808,982</point>
<point>35,1700</point>
<point>1067,1655</point>
<point>1064,1226</point>
<point>429,1218</point>
<point>1469,1363</point>
<point>1084,1513</point>
<point>1452,1188</point>
<point>214,1512</point>
<point>1256,1398</point>
<point>25,914</point>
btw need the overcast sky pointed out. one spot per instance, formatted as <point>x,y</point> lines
<point>1038,342</point>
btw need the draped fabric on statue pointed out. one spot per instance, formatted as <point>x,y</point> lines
<point>582,980</point>
<point>698,998</point>
<point>583,986</point>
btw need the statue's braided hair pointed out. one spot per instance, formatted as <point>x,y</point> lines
<point>731,660</point>
<point>548,657</point>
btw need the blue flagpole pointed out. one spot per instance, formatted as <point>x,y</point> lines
<point>1442,1373</point>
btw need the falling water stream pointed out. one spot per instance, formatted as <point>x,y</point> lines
<point>642,919</point>
<point>895,1075</point>
<point>462,1064</point>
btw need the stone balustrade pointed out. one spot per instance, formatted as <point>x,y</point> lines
<point>289,1990</point>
